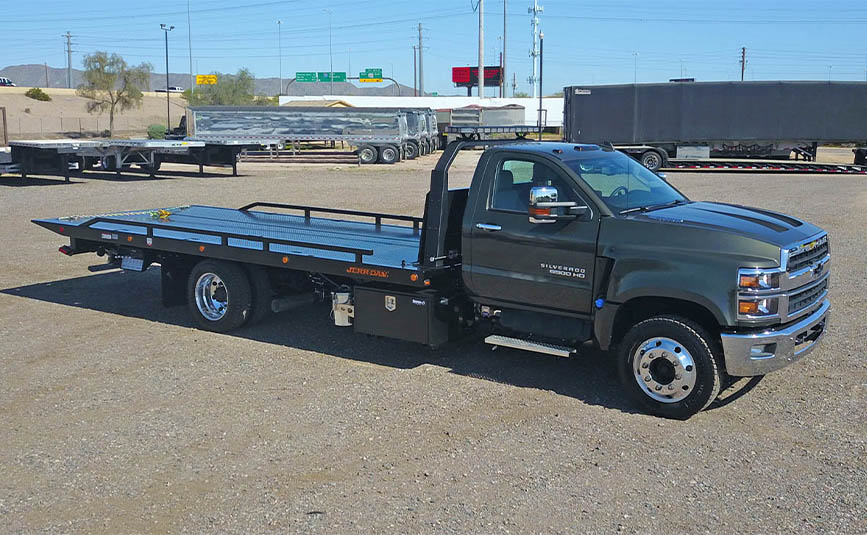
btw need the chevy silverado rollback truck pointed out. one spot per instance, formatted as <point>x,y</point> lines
<point>553,246</point>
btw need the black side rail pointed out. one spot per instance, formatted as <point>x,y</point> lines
<point>416,221</point>
<point>224,237</point>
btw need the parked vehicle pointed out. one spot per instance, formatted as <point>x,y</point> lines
<point>171,89</point>
<point>655,122</point>
<point>552,246</point>
<point>6,82</point>
<point>379,134</point>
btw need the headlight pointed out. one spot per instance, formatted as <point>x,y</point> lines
<point>758,307</point>
<point>756,280</point>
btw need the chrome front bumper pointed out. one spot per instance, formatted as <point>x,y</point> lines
<point>762,352</point>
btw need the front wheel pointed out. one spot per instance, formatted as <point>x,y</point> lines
<point>670,365</point>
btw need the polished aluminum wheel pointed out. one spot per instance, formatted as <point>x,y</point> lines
<point>664,369</point>
<point>212,298</point>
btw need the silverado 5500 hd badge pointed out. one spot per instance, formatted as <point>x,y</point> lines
<point>564,271</point>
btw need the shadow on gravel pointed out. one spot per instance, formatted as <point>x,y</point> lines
<point>590,377</point>
<point>13,181</point>
<point>126,176</point>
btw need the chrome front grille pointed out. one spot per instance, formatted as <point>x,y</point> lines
<point>804,298</point>
<point>808,253</point>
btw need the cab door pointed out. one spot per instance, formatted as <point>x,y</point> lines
<point>514,261</point>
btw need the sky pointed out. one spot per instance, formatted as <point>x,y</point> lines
<point>586,42</point>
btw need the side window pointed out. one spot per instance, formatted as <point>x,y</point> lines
<point>515,178</point>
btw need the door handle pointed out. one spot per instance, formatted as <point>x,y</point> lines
<point>489,227</point>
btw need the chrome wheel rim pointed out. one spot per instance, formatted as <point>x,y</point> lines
<point>388,154</point>
<point>664,369</point>
<point>212,297</point>
<point>366,155</point>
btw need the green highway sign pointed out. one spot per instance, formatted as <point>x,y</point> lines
<point>326,77</point>
<point>370,73</point>
<point>305,76</point>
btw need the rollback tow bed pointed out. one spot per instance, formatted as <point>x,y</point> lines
<point>357,249</point>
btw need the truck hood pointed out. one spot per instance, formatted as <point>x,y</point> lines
<point>764,225</point>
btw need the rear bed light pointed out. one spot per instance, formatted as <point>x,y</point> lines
<point>65,249</point>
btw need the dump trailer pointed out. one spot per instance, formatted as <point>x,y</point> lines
<point>476,116</point>
<point>378,134</point>
<point>553,246</point>
<point>655,122</point>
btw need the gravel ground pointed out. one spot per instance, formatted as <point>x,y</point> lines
<point>118,416</point>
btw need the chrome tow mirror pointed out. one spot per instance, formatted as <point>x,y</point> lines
<point>544,207</point>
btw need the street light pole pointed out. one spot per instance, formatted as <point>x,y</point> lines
<point>280,52</point>
<point>330,55</point>
<point>167,29</point>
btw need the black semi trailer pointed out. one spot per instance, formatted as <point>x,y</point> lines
<point>655,122</point>
<point>553,245</point>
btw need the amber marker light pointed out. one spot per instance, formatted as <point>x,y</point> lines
<point>201,248</point>
<point>413,277</point>
<point>285,259</point>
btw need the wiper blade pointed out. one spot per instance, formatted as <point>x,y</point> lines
<point>653,207</point>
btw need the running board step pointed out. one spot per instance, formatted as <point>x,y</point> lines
<point>527,345</point>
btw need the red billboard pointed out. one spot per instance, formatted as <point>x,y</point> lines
<point>469,76</point>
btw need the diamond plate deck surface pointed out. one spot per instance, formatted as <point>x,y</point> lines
<point>392,245</point>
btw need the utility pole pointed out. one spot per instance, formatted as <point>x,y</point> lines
<point>541,48</point>
<point>280,53</point>
<point>514,83</point>
<point>481,75</point>
<point>68,60</point>
<point>635,68</point>
<point>46,75</point>
<point>534,32</point>
<point>420,63</point>
<point>414,73</point>
<point>743,61</point>
<point>503,61</point>
<point>501,75</point>
<point>167,29</point>
<point>190,46</point>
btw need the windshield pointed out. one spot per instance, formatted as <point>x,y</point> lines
<point>624,184</point>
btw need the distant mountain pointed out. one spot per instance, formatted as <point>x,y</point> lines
<point>35,76</point>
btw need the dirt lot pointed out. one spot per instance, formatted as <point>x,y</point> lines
<point>118,416</point>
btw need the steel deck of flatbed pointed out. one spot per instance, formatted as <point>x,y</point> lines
<point>356,248</point>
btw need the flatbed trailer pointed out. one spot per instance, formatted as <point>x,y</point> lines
<point>778,166</point>
<point>63,157</point>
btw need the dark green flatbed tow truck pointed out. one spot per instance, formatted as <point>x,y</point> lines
<point>552,246</point>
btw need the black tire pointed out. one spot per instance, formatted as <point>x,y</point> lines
<point>388,154</point>
<point>367,154</point>
<point>662,381</point>
<point>262,294</point>
<point>231,289</point>
<point>425,148</point>
<point>652,160</point>
<point>861,157</point>
<point>412,150</point>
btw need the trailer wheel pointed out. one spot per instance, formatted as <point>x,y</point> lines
<point>670,365</point>
<point>388,154</point>
<point>367,154</point>
<point>219,294</point>
<point>860,156</point>
<point>412,150</point>
<point>651,160</point>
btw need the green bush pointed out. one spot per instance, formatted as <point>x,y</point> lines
<point>37,94</point>
<point>156,131</point>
